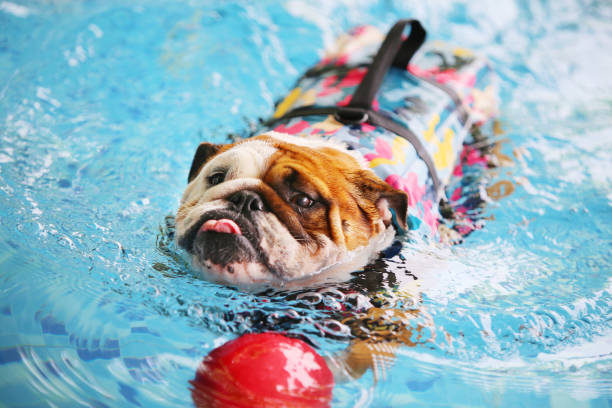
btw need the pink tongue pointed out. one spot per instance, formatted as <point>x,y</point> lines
<point>224,225</point>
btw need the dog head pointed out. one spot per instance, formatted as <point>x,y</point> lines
<point>277,208</point>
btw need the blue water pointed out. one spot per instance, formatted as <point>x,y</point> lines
<point>101,107</point>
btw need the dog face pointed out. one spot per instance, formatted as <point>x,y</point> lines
<point>277,208</point>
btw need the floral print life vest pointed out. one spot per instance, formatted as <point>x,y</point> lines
<point>442,94</point>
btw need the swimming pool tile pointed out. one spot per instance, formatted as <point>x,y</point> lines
<point>53,340</point>
<point>92,344</point>
<point>93,354</point>
<point>111,344</point>
<point>143,329</point>
<point>51,325</point>
<point>6,310</point>
<point>9,355</point>
<point>92,349</point>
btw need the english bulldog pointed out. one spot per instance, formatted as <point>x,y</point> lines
<point>361,147</point>
<point>277,208</point>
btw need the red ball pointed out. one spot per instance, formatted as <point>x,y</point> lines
<point>263,370</point>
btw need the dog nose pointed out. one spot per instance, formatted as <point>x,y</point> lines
<point>246,201</point>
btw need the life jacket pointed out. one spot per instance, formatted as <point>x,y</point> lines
<point>408,107</point>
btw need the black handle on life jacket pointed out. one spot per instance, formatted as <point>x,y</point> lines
<point>394,51</point>
<point>411,44</point>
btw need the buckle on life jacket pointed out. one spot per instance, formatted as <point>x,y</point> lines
<point>350,115</point>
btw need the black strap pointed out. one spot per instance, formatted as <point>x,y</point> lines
<point>402,56</point>
<point>393,51</point>
<point>411,44</point>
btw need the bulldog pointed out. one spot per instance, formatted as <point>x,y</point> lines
<point>363,146</point>
<point>277,208</point>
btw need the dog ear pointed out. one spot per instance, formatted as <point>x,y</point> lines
<point>204,153</point>
<point>386,198</point>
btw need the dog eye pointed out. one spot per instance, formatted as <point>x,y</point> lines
<point>303,201</point>
<point>216,178</point>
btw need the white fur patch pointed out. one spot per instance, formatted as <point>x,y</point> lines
<point>249,159</point>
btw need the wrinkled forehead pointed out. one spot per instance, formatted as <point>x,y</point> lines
<point>250,159</point>
<point>253,157</point>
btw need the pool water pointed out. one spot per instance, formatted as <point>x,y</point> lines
<point>101,108</point>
